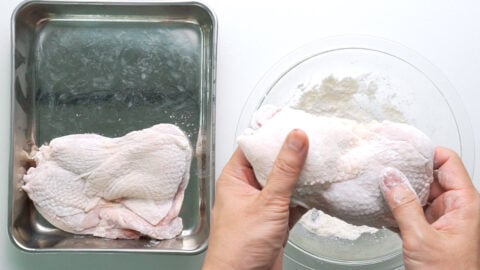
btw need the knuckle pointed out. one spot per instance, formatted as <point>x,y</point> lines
<point>411,243</point>
<point>222,183</point>
<point>452,153</point>
<point>416,238</point>
<point>408,201</point>
<point>286,167</point>
<point>449,151</point>
<point>275,200</point>
<point>402,197</point>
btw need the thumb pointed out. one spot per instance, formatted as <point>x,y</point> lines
<point>288,164</point>
<point>403,202</point>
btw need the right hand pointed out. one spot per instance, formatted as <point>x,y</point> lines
<point>447,234</point>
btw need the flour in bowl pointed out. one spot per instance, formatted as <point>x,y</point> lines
<point>325,225</point>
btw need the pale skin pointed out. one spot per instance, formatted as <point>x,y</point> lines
<point>250,225</point>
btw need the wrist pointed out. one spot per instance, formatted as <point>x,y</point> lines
<point>225,253</point>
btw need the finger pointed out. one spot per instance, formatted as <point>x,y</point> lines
<point>239,168</point>
<point>435,188</point>
<point>451,172</point>
<point>403,202</point>
<point>436,209</point>
<point>288,165</point>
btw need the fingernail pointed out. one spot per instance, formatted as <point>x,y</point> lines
<point>294,142</point>
<point>396,185</point>
<point>392,178</point>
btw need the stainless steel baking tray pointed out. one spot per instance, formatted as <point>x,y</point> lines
<point>110,68</point>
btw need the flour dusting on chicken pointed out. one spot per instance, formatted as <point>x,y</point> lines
<point>121,187</point>
<point>345,162</point>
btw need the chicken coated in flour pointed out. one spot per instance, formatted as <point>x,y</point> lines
<point>345,163</point>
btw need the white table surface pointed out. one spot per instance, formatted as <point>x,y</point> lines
<point>253,36</point>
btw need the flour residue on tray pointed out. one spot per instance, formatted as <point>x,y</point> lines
<point>363,98</point>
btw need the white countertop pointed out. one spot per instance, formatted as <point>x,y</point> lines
<point>253,36</point>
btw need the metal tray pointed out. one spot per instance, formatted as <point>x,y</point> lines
<point>110,68</point>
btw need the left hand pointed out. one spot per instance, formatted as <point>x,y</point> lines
<point>249,224</point>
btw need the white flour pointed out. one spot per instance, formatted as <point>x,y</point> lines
<point>365,98</point>
<point>324,225</point>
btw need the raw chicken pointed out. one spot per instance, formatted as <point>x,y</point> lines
<point>345,162</point>
<point>113,187</point>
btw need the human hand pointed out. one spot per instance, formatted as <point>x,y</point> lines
<point>447,234</point>
<point>250,224</point>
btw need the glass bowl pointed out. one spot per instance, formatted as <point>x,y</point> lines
<point>417,91</point>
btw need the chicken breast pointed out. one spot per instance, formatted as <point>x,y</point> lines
<point>122,187</point>
<point>345,163</point>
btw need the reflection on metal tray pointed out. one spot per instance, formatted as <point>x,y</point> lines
<point>110,68</point>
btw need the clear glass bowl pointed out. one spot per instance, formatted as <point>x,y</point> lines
<point>419,90</point>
